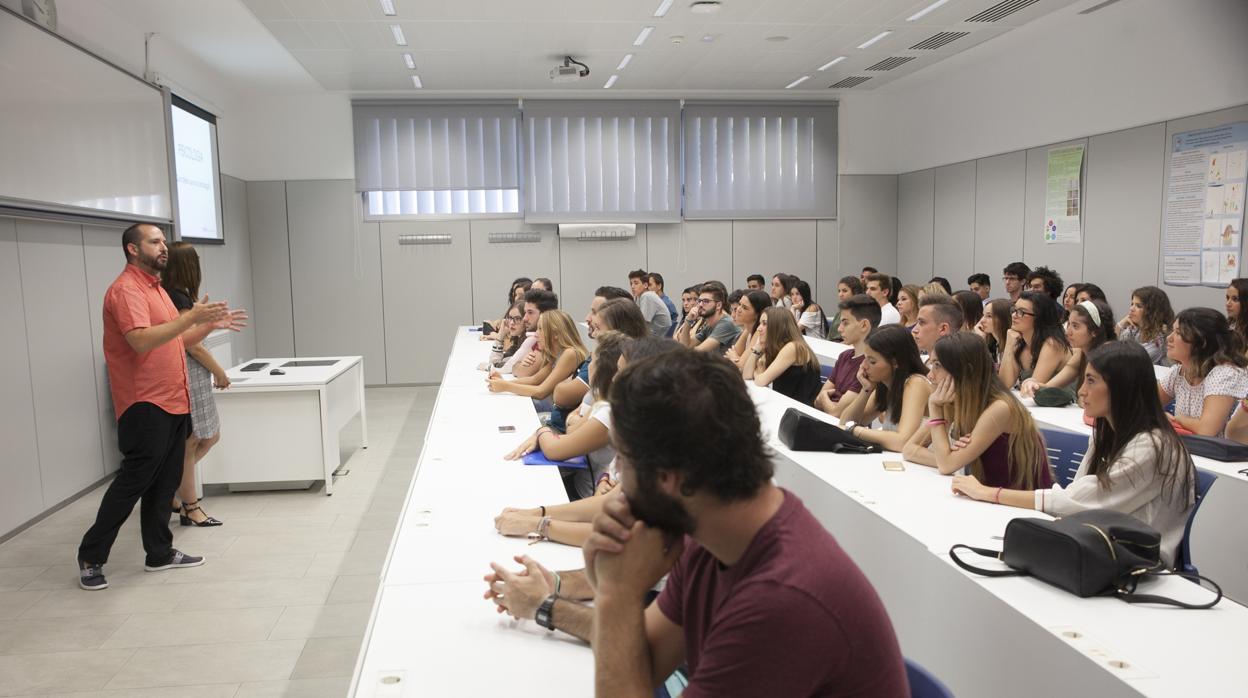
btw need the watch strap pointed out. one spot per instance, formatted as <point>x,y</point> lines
<point>544,616</point>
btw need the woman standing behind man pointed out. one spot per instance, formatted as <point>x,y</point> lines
<point>181,279</point>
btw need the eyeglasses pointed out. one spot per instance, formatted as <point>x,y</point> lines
<point>515,318</point>
<point>1019,312</point>
<point>705,301</point>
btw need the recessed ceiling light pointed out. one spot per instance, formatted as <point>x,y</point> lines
<point>387,8</point>
<point>832,62</point>
<point>416,82</point>
<point>663,8</point>
<point>641,38</point>
<point>411,62</point>
<point>610,81</point>
<point>797,82</point>
<point>708,38</point>
<point>777,39</point>
<point>925,10</point>
<point>875,38</point>
<point>624,63</point>
<point>705,7</point>
<point>397,31</point>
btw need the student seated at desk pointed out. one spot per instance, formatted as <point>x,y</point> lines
<point>748,310</point>
<point>859,315</point>
<point>760,599</point>
<point>607,312</point>
<point>846,288</point>
<point>510,336</point>
<point>908,304</point>
<point>1148,322</point>
<point>528,359</point>
<point>808,314</point>
<point>992,432</point>
<point>1091,324</point>
<point>1035,345</point>
<point>516,295</point>
<point>972,308</point>
<point>779,357</point>
<point>993,327</point>
<point>589,429</point>
<point>894,389</point>
<point>1135,462</point>
<point>1208,377</point>
<point>562,351</point>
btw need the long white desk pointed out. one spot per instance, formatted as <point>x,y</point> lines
<point>283,429</point>
<point>432,633</point>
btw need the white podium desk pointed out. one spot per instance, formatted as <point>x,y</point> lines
<point>283,429</point>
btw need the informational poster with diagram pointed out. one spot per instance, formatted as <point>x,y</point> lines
<point>1203,227</point>
<point>1063,196</point>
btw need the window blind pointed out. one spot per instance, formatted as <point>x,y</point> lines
<point>409,147</point>
<point>601,161</point>
<point>766,161</point>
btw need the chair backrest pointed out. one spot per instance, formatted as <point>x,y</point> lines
<point>825,372</point>
<point>923,684</point>
<point>1066,450</point>
<point>1204,480</point>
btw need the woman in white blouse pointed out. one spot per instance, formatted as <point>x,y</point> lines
<point>1208,377</point>
<point>809,316</point>
<point>1135,463</point>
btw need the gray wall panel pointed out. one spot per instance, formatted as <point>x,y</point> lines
<point>1065,258</point>
<point>21,495</point>
<point>424,297</point>
<point>1000,191</point>
<point>496,265</point>
<point>335,269</point>
<point>769,247</point>
<point>690,253</point>
<point>227,268</point>
<point>868,223</point>
<point>828,260</point>
<point>953,223</point>
<point>915,225</point>
<point>58,327</point>
<point>1188,296</point>
<point>586,265</point>
<point>1122,211</point>
<point>102,254</point>
<point>272,310</point>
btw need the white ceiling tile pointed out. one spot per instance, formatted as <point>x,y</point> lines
<point>325,35</point>
<point>291,35</point>
<point>269,9</point>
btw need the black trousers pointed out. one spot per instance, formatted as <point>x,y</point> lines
<point>152,444</point>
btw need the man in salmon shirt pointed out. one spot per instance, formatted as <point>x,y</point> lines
<point>144,349</point>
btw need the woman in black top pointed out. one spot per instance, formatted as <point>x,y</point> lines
<point>779,357</point>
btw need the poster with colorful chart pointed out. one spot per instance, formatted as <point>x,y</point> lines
<point>1202,231</point>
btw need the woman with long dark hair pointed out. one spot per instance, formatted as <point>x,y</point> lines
<point>1237,308</point>
<point>1148,321</point>
<point>780,358</point>
<point>1208,377</point>
<point>976,422</point>
<point>1135,463</point>
<point>1091,324</point>
<point>181,279</point>
<point>1035,345</point>
<point>994,325</point>
<point>809,315</point>
<point>972,308</point>
<point>894,389</point>
<point>750,308</point>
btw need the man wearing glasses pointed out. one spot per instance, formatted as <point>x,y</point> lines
<point>1013,275</point>
<point>716,331</point>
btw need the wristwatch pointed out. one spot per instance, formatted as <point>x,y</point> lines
<point>544,617</point>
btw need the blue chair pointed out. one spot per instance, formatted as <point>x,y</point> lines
<point>923,684</point>
<point>1204,480</point>
<point>825,373</point>
<point>1066,450</point>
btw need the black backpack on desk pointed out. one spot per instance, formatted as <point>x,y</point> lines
<point>802,432</point>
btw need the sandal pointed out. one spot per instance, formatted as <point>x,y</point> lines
<point>185,519</point>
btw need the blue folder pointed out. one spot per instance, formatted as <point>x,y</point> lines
<point>539,458</point>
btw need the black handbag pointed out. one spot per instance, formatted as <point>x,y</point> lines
<point>1217,448</point>
<point>1091,553</point>
<point>802,432</point>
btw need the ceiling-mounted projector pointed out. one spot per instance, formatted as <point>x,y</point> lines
<point>570,71</point>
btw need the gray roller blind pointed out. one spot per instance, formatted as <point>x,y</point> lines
<point>764,161</point>
<point>601,161</point>
<point>407,147</point>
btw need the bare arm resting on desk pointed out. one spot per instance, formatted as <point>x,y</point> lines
<point>521,593</point>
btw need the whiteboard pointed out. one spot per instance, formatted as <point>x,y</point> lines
<point>76,132</point>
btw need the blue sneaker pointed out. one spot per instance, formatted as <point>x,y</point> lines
<point>176,558</point>
<point>91,577</point>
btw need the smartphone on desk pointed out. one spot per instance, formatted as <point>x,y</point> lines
<point>894,465</point>
<point>506,429</point>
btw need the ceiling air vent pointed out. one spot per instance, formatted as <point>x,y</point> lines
<point>935,41</point>
<point>891,62</point>
<point>1001,10</point>
<point>849,82</point>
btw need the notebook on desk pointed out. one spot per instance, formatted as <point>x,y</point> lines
<point>539,458</point>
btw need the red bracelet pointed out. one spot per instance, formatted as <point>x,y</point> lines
<point>936,422</point>
<point>998,497</point>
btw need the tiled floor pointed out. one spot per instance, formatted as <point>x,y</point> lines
<point>279,609</point>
